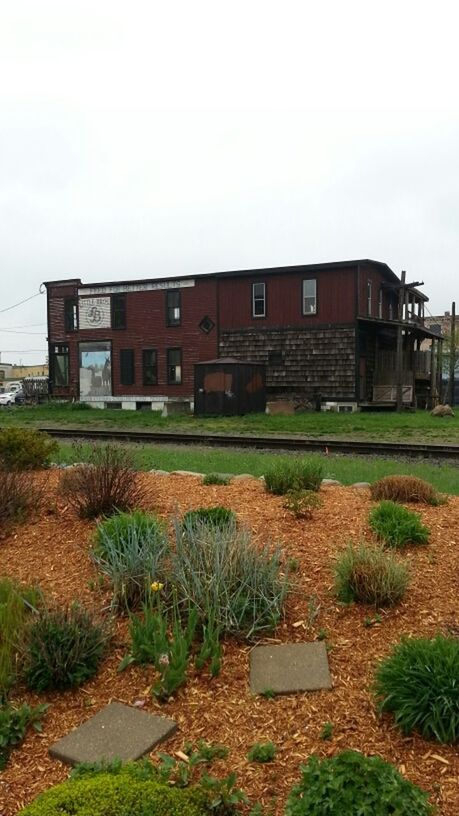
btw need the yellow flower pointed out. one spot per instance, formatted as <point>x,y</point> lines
<point>156,586</point>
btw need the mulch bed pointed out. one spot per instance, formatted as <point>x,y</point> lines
<point>52,550</point>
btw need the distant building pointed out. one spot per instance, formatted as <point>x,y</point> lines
<point>5,369</point>
<point>19,372</point>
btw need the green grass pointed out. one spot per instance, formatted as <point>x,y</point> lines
<point>406,426</point>
<point>347,469</point>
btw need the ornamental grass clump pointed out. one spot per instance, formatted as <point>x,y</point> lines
<point>17,602</point>
<point>351,783</point>
<point>130,549</point>
<point>370,575</point>
<point>294,474</point>
<point>64,648</point>
<point>419,684</point>
<point>103,484</point>
<point>221,573</point>
<point>396,526</point>
<point>404,489</point>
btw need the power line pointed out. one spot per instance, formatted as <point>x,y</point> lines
<point>8,308</point>
<point>26,326</point>
<point>14,331</point>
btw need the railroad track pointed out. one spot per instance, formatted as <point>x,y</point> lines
<point>288,443</point>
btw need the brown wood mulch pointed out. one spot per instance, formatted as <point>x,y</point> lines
<point>52,550</point>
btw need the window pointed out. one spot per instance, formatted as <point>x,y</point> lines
<point>71,314</point>
<point>95,369</point>
<point>369,294</point>
<point>173,308</point>
<point>59,365</point>
<point>118,311</point>
<point>127,376</point>
<point>207,324</point>
<point>391,311</point>
<point>310,296</point>
<point>258,300</point>
<point>149,367</point>
<point>275,358</point>
<point>380,303</point>
<point>174,366</point>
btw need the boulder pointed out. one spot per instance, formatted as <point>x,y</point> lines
<point>442,411</point>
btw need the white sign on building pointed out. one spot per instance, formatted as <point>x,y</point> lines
<point>94,312</point>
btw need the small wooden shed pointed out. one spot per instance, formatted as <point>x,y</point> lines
<point>229,387</point>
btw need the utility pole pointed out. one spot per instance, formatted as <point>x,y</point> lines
<point>452,355</point>
<point>399,353</point>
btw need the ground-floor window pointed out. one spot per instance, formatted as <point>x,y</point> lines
<point>127,373</point>
<point>59,365</point>
<point>174,366</point>
<point>150,367</point>
<point>96,369</point>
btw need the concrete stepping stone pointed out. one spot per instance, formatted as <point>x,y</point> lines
<point>117,731</point>
<point>289,667</point>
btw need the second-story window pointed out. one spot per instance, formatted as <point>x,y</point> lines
<point>380,303</point>
<point>118,311</point>
<point>369,297</point>
<point>391,311</point>
<point>258,300</point>
<point>71,314</point>
<point>173,308</point>
<point>310,296</point>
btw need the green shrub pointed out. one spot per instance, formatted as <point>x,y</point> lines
<point>130,549</point>
<point>218,571</point>
<point>369,575</point>
<point>25,449</point>
<point>404,489</point>
<point>214,517</point>
<point>419,684</point>
<point>302,503</point>
<point>105,483</point>
<point>64,648</point>
<point>215,479</point>
<point>396,526</point>
<point>262,752</point>
<point>18,495</point>
<point>13,726</point>
<point>350,783</point>
<point>16,602</point>
<point>125,793</point>
<point>294,474</point>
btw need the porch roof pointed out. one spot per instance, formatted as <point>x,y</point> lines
<point>418,329</point>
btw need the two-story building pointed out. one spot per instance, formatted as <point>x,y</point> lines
<point>326,328</point>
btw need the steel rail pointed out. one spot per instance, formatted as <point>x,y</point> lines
<point>271,442</point>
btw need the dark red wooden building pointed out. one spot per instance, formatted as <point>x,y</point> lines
<point>320,328</point>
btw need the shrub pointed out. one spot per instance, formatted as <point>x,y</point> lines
<point>294,474</point>
<point>18,495</point>
<point>128,792</point>
<point>262,752</point>
<point>25,449</point>
<point>302,503</point>
<point>351,783</point>
<point>215,517</point>
<point>215,479</point>
<point>396,526</point>
<point>220,572</point>
<point>13,726</point>
<point>105,483</point>
<point>403,489</point>
<point>418,682</point>
<point>369,575</point>
<point>15,603</point>
<point>64,648</point>
<point>130,549</point>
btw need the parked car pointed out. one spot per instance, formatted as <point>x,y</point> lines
<point>19,398</point>
<point>7,398</point>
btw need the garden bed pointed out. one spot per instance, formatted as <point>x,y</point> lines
<point>52,550</point>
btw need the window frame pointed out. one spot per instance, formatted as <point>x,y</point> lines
<point>309,297</point>
<point>170,365</point>
<point>116,311</point>
<point>146,366</point>
<point>54,353</point>
<point>127,354</point>
<point>369,297</point>
<point>173,321</point>
<point>71,316</point>
<point>380,303</point>
<point>257,298</point>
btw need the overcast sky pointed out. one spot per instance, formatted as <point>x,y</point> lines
<point>142,139</point>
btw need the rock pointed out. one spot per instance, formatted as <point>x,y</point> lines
<point>242,477</point>
<point>283,407</point>
<point>160,472</point>
<point>361,485</point>
<point>328,482</point>
<point>442,411</point>
<point>187,473</point>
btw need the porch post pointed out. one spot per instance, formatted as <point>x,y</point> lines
<point>433,379</point>
<point>399,358</point>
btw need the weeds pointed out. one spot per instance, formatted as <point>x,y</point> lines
<point>294,474</point>
<point>215,479</point>
<point>302,503</point>
<point>13,726</point>
<point>262,752</point>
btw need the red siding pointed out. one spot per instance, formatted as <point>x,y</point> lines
<point>336,299</point>
<point>377,279</point>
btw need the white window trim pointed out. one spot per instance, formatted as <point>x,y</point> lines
<point>263,284</point>
<point>380,304</point>
<point>308,313</point>
<point>369,297</point>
